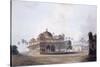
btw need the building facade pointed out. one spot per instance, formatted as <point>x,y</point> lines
<point>49,43</point>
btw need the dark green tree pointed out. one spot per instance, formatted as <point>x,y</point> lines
<point>13,50</point>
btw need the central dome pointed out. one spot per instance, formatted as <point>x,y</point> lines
<point>45,35</point>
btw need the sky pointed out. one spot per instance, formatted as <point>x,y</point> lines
<point>29,19</point>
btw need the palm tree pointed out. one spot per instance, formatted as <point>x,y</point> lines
<point>24,41</point>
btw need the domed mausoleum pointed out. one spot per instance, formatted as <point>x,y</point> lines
<point>49,43</point>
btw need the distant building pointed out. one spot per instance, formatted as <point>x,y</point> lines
<point>48,43</point>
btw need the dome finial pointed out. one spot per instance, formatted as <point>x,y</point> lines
<point>46,29</point>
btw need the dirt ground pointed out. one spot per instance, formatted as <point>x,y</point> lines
<point>22,60</point>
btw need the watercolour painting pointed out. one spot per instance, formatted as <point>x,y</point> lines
<point>52,33</point>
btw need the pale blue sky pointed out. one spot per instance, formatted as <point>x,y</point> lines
<point>29,19</point>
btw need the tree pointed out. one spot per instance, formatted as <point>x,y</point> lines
<point>13,50</point>
<point>69,44</point>
<point>24,41</point>
<point>92,44</point>
<point>90,36</point>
